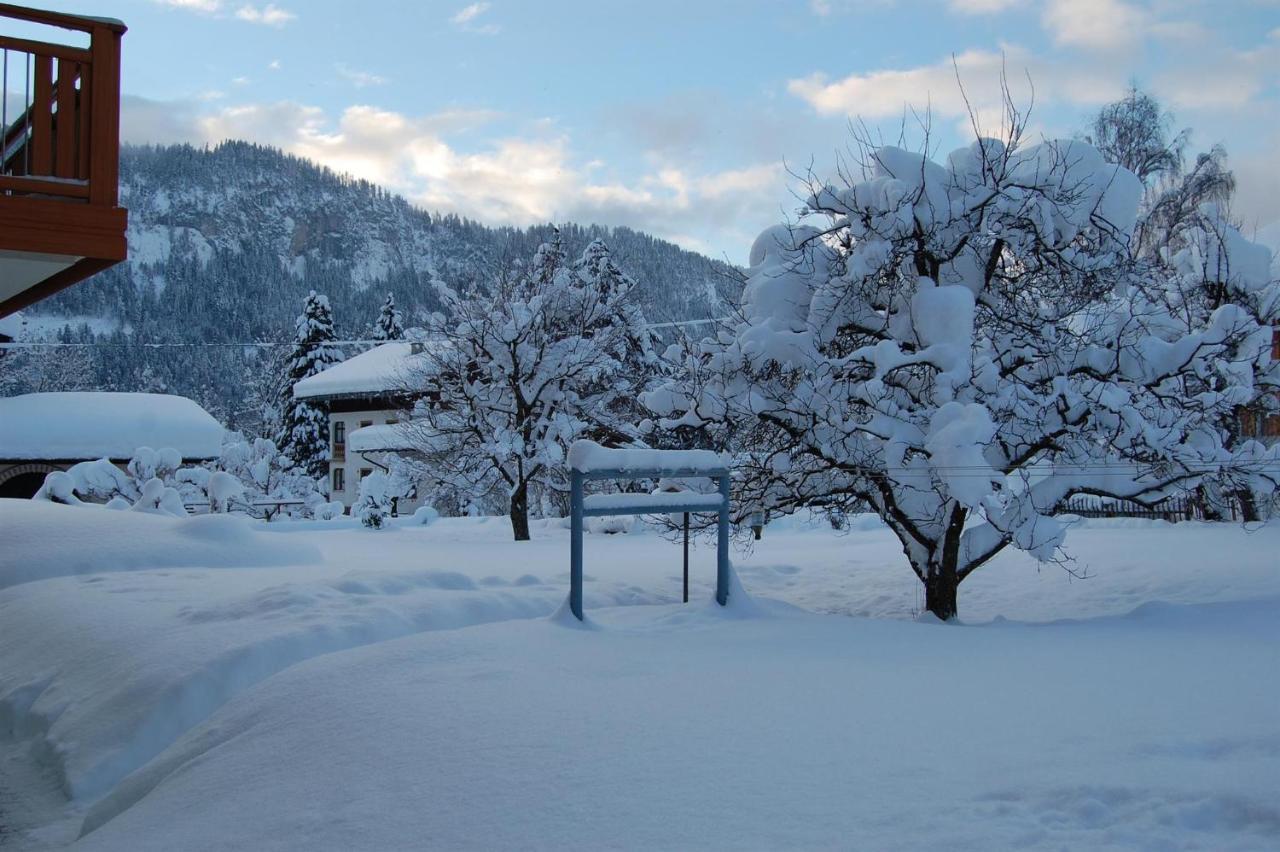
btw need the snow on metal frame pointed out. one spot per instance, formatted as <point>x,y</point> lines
<point>589,460</point>
<point>597,462</point>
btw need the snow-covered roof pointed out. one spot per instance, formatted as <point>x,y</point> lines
<point>383,369</point>
<point>385,437</point>
<point>11,325</point>
<point>93,425</point>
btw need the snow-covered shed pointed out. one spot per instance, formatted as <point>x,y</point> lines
<point>44,432</point>
<point>365,395</point>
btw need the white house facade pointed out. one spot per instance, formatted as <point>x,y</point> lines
<point>365,397</point>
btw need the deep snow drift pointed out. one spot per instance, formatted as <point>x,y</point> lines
<point>332,703</point>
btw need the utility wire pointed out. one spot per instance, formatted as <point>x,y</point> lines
<point>54,344</point>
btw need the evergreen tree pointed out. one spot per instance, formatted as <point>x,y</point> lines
<point>304,425</point>
<point>388,326</point>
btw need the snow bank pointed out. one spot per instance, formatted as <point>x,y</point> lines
<point>313,682</point>
<point>588,457</point>
<point>92,425</point>
<point>43,540</point>
<point>800,732</point>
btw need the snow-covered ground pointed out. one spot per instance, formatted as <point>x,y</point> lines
<point>318,685</point>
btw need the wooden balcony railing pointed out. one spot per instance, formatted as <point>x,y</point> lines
<point>62,138</point>
<point>59,150</point>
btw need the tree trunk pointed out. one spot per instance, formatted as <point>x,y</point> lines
<point>1248,508</point>
<point>940,587</point>
<point>1208,509</point>
<point>520,512</point>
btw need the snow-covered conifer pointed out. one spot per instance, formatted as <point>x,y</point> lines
<point>304,425</point>
<point>389,325</point>
<point>965,345</point>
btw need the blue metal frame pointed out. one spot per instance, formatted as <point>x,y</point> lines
<point>577,513</point>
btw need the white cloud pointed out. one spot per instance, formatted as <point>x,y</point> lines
<point>270,15</point>
<point>359,79</point>
<point>887,93</point>
<point>1094,24</point>
<point>982,7</point>
<point>206,6</point>
<point>1220,78</point>
<point>466,19</point>
<point>274,65</point>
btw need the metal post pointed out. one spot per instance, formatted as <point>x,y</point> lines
<point>575,543</point>
<point>686,557</point>
<point>722,544</point>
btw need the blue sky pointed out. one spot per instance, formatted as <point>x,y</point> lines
<point>673,117</point>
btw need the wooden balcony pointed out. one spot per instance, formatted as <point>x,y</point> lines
<point>60,219</point>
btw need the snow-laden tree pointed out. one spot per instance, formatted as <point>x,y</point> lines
<point>520,370</point>
<point>1183,208</point>
<point>965,345</point>
<point>304,424</point>
<point>1137,132</point>
<point>389,325</point>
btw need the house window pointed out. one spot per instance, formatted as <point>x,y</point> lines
<point>339,433</point>
<point>365,471</point>
<point>339,479</point>
<point>391,421</point>
<point>364,423</point>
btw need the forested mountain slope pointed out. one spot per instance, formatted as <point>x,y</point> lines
<point>224,243</point>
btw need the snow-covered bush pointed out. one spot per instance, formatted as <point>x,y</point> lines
<point>96,481</point>
<point>964,345</point>
<point>328,510</point>
<point>148,464</point>
<point>159,499</point>
<point>424,516</point>
<point>373,503</point>
<point>147,484</point>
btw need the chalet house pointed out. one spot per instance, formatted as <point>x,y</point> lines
<point>1256,421</point>
<point>60,220</point>
<point>44,432</point>
<point>365,397</point>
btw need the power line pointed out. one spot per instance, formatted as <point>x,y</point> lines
<point>262,344</point>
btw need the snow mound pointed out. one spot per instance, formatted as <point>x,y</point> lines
<point>43,540</point>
